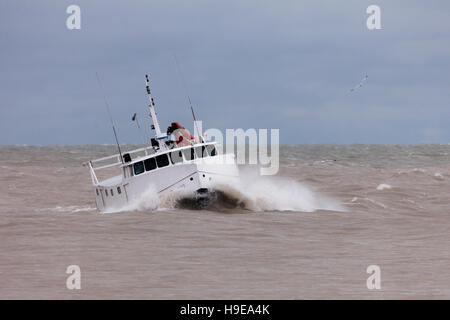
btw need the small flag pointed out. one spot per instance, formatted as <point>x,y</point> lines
<point>134,117</point>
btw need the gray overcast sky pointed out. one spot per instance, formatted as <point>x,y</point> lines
<point>248,64</point>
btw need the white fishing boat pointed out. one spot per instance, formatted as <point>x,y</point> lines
<point>174,161</point>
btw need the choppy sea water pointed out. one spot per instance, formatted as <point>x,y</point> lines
<point>311,232</point>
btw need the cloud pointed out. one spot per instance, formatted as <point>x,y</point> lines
<point>286,65</point>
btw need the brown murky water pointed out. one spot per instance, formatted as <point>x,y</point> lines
<point>349,207</point>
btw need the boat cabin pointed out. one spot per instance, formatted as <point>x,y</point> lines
<point>167,158</point>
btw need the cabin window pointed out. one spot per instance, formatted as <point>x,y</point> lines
<point>162,160</point>
<point>211,150</point>
<point>96,190</point>
<point>189,154</point>
<point>138,168</point>
<point>150,164</point>
<point>112,193</point>
<point>176,157</point>
<point>118,190</point>
<point>106,192</point>
<point>200,152</point>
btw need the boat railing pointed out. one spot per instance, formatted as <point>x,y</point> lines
<point>118,161</point>
<point>96,164</point>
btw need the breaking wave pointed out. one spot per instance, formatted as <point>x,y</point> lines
<point>250,191</point>
<point>383,186</point>
<point>69,209</point>
<point>271,193</point>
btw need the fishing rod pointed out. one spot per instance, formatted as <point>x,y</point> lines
<point>135,118</point>
<point>189,98</point>
<point>110,117</point>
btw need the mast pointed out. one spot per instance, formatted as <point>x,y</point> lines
<point>151,106</point>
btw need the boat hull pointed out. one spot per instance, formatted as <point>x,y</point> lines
<point>188,179</point>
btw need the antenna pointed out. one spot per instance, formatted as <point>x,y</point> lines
<point>189,98</point>
<point>110,117</point>
<point>151,106</point>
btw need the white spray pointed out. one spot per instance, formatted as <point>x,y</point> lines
<point>251,191</point>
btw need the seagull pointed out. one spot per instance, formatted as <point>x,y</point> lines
<point>361,83</point>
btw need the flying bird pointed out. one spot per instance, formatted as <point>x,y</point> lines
<point>361,83</point>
